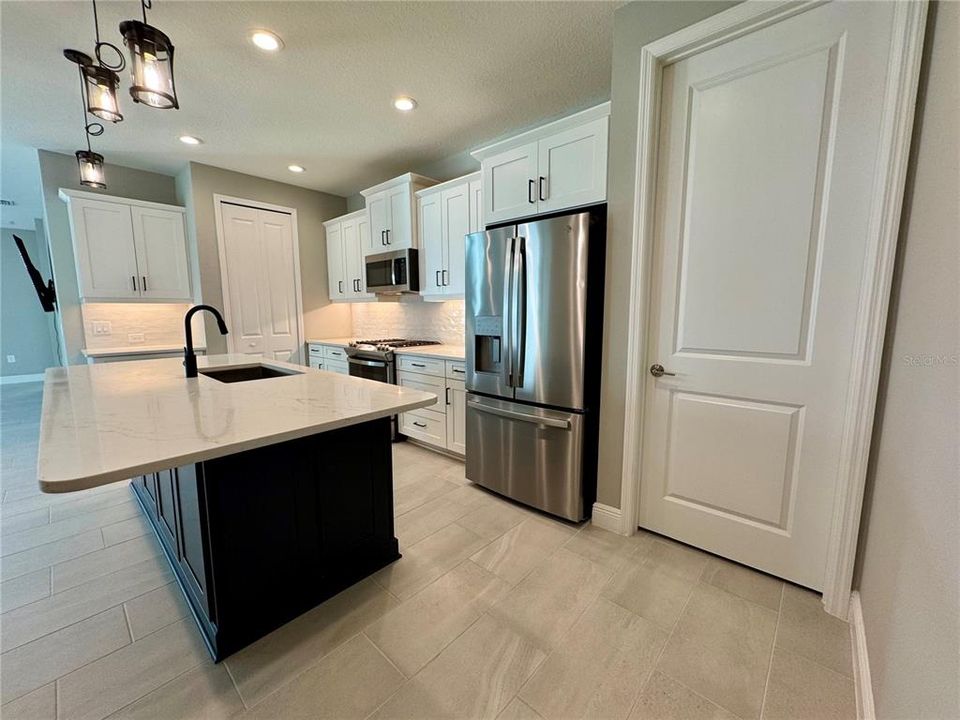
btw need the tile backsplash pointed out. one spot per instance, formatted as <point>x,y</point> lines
<point>412,319</point>
<point>138,324</point>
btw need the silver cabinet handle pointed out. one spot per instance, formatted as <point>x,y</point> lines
<point>540,191</point>
<point>657,371</point>
<point>522,417</point>
<point>530,198</point>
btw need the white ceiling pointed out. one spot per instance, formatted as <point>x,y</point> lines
<point>479,71</point>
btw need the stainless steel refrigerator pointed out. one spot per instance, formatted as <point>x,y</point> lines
<point>534,319</point>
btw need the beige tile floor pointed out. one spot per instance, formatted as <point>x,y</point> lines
<point>493,612</point>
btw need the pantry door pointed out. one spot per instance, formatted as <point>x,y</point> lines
<point>259,264</point>
<point>767,157</point>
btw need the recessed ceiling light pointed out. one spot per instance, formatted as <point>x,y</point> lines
<point>295,168</point>
<point>406,104</point>
<point>266,40</point>
<point>190,140</point>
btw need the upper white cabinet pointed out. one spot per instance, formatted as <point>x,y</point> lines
<point>392,211</point>
<point>554,167</point>
<point>126,249</point>
<point>446,214</point>
<point>347,236</point>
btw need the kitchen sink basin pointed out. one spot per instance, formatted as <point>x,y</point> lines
<point>245,373</point>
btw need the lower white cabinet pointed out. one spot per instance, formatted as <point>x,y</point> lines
<point>442,425</point>
<point>332,358</point>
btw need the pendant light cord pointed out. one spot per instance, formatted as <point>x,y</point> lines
<point>145,5</point>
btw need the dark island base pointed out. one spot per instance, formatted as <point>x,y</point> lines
<point>259,537</point>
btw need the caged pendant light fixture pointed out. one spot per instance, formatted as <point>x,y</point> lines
<point>99,80</point>
<point>151,62</point>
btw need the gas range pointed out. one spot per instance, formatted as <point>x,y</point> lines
<point>383,349</point>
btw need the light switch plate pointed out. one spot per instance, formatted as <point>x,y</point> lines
<point>102,327</point>
<point>135,338</point>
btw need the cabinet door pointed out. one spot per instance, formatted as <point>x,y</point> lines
<point>379,211</point>
<point>352,258</point>
<point>363,232</point>
<point>400,230</point>
<point>476,206</point>
<point>430,227</point>
<point>161,250</point>
<point>573,167</point>
<point>509,184</point>
<point>455,212</point>
<point>103,243</point>
<point>167,509</point>
<point>456,417</point>
<point>335,262</point>
<point>315,362</point>
<point>194,533</point>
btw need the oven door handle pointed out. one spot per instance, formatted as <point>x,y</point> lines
<point>368,363</point>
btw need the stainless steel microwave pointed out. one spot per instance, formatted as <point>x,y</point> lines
<point>393,272</point>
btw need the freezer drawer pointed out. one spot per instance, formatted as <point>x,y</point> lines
<point>532,455</point>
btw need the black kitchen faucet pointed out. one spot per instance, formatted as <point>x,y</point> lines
<point>189,356</point>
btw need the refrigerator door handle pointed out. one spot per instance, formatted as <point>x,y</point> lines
<point>520,308</point>
<point>522,417</point>
<point>508,311</point>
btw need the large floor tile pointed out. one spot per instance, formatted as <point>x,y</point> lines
<point>415,525</point>
<point>491,520</point>
<point>663,698</point>
<point>752,585</point>
<point>112,682</point>
<point>156,609</point>
<point>24,589</point>
<point>414,633</point>
<point>607,548</point>
<point>518,710</point>
<point>807,629</point>
<point>348,684</point>
<point>517,552</point>
<point>413,495</point>
<point>676,558</point>
<point>597,670</point>
<point>425,561</point>
<point>113,495</point>
<point>263,667</point>
<point>77,571</point>
<point>548,602</point>
<point>41,704</point>
<point>37,663</point>
<point>800,688</point>
<point>650,591</point>
<point>51,532</point>
<point>721,649</point>
<point>475,677</point>
<point>24,521</point>
<point>43,556</point>
<point>204,693</point>
<point>126,530</point>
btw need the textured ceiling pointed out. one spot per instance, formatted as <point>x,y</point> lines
<point>479,70</point>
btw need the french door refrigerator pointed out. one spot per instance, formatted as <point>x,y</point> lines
<point>534,325</point>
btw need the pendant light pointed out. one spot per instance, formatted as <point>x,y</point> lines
<point>151,63</point>
<point>90,163</point>
<point>99,79</point>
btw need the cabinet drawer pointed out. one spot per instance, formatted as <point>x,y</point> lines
<point>337,366</point>
<point>426,383</point>
<point>334,353</point>
<point>425,366</point>
<point>316,350</point>
<point>425,425</point>
<point>456,369</point>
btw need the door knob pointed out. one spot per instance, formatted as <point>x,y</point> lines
<point>657,371</point>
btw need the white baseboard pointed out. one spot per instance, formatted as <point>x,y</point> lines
<point>15,379</point>
<point>606,517</point>
<point>861,664</point>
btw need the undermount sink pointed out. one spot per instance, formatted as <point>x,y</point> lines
<point>245,373</point>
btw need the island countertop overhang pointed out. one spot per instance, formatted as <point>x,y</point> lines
<point>109,422</point>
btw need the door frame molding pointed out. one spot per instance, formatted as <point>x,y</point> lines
<point>886,203</point>
<point>218,201</point>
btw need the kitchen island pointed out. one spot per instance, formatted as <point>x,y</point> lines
<point>269,485</point>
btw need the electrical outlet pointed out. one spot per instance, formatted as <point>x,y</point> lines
<point>11,358</point>
<point>102,327</point>
<point>136,338</point>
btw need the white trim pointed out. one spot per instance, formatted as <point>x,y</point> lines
<point>406,178</point>
<point>348,216</point>
<point>67,195</point>
<point>606,517</point>
<point>565,123</point>
<point>447,184</point>
<point>17,379</point>
<point>861,663</point>
<point>859,406</point>
<point>218,201</point>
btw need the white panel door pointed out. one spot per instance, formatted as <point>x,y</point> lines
<point>161,253</point>
<point>431,243</point>
<point>379,211</point>
<point>476,206</point>
<point>509,184</point>
<point>354,232</point>
<point>766,164</point>
<point>400,231</point>
<point>456,417</point>
<point>336,267</point>
<point>103,242</point>
<point>573,167</point>
<point>242,258</point>
<point>280,281</point>
<point>455,212</point>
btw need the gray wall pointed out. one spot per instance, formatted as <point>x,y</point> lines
<point>60,171</point>
<point>909,565</point>
<point>634,26</point>
<point>24,326</point>
<point>321,318</point>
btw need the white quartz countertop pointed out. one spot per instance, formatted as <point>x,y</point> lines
<point>339,342</point>
<point>448,352</point>
<point>136,350</point>
<point>109,422</point>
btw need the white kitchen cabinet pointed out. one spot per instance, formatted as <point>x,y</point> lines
<point>127,249</point>
<point>560,165</point>
<point>332,358</point>
<point>447,214</point>
<point>476,204</point>
<point>346,237</point>
<point>393,215</point>
<point>456,399</point>
<point>443,425</point>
